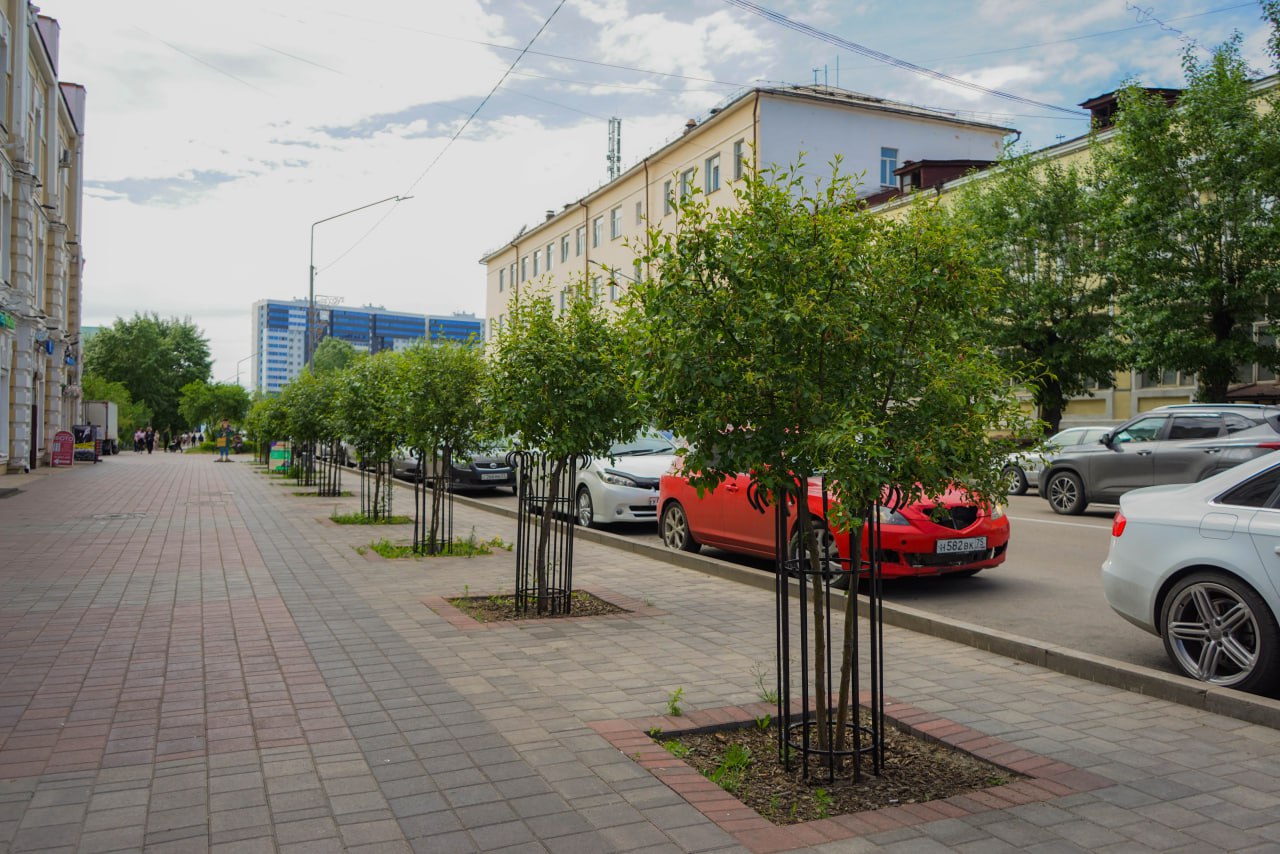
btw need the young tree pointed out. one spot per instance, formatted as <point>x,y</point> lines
<point>152,358</point>
<point>332,354</point>
<point>1053,328</point>
<point>265,422</point>
<point>369,405</point>
<point>1194,239</point>
<point>559,385</point>
<point>793,334</point>
<point>443,415</point>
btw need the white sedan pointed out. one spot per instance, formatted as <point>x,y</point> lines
<point>1199,565</point>
<point>622,486</point>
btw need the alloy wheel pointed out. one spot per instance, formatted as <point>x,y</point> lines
<point>1213,634</point>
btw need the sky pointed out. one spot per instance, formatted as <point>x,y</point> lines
<point>218,134</point>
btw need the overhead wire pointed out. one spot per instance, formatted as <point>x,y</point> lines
<point>879,56</point>
<point>505,74</point>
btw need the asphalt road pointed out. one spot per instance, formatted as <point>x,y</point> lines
<point>1049,588</point>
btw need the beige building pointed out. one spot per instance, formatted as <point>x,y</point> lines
<point>41,176</point>
<point>594,238</point>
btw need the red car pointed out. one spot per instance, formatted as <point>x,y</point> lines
<point>955,536</point>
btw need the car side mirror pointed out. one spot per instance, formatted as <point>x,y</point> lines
<point>1107,439</point>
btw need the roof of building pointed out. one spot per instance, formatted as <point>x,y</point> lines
<point>825,94</point>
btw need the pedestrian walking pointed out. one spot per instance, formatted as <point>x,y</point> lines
<point>223,438</point>
<point>150,438</point>
<point>138,439</point>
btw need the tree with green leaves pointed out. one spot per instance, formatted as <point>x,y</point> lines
<point>153,358</point>
<point>266,422</point>
<point>559,385</point>
<point>794,334</point>
<point>369,405</point>
<point>332,354</point>
<point>1037,223</point>
<point>205,404</point>
<point>131,415</point>
<point>443,419</point>
<point>1193,236</point>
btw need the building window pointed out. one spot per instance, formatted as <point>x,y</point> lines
<point>595,289</point>
<point>562,298</point>
<point>739,161</point>
<point>686,182</point>
<point>597,231</point>
<point>524,269</point>
<point>564,249</point>
<point>888,163</point>
<point>637,270</point>
<point>536,258</point>
<point>713,173</point>
<point>668,200</point>
<point>639,213</point>
<point>615,223</point>
<point>511,274</point>
<point>502,279</point>
<point>613,289</point>
<point>551,254</point>
<point>580,239</point>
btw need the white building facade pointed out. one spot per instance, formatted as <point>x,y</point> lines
<point>41,263</point>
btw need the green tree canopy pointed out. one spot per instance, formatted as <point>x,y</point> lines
<point>204,404</point>
<point>130,415</point>
<point>153,358</point>
<point>1193,235</point>
<point>310,406</point>
<point>443,391</point>
<point>332,354</point>
<point>1037,222</point>
<point>559,383</point>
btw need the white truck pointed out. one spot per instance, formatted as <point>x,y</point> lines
<point>105,415</point>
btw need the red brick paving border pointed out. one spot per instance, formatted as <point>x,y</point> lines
<point>1046,778</point>
<point>464,622</point>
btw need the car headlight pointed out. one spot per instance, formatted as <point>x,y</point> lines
<point>889,516</point>
<point>617,478</point>
<point>997,511</point>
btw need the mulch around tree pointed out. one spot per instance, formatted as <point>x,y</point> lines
<point>744,761</point>
<point>501,607</point>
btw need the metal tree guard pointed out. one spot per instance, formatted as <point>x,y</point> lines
<point>304,463</point>
<point>329,478</point>
<point>375,489</point>
<point>544,531</point>
<point>809,730</point>
<point>433,503</point>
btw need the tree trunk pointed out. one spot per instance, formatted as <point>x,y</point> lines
<point>807,541</point>
<point>848,643</point>
<point>1052,402</point>
<point>544,534</point>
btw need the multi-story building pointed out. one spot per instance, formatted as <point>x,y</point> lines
<point>593,239</point>
<point>41,177</point>
<point>280,331</point>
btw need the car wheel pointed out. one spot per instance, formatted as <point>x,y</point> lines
<point>674,528</point>
<point>1015,480</point>
<point>585,510</point>
<point>1065,492</point>
<point>1218,630</point>
<point>830,555</point>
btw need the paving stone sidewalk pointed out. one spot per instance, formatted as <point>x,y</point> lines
<point>191,660</point>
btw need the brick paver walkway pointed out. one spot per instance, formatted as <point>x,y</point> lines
<point>189,660</point>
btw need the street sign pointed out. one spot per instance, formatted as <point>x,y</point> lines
<point>64,448</point>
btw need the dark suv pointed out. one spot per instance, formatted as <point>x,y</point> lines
<point>1172,444</point>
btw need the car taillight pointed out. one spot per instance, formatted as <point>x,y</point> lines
<point>1117,524</point>
<point>1270,446</point>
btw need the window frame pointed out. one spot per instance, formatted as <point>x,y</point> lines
<point>615,223</point>
<point>711,178</point>
<point>888,164</point>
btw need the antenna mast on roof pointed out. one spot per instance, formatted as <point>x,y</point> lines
<point>615,147</point>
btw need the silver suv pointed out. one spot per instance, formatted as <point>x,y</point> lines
<point>1172,444</point>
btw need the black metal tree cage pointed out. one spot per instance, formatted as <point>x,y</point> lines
<point>830,676</point>
<point>544,531</point>
<point>375,489</point>
<point>304,463</point>
<point>433,502</point>
<point>329,476</point>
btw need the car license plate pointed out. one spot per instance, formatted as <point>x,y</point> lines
<point>969,544</point>
<point>653,501</point>
<point>494,476</point>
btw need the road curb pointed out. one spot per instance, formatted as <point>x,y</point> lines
<point>1094,668</point>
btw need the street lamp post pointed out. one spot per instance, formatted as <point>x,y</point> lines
<point>308,342</point>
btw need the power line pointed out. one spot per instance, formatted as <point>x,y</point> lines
<point>870,53</point>
<point>546,23</point>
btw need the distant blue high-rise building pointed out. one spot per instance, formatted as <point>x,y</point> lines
<point>280,331</point>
